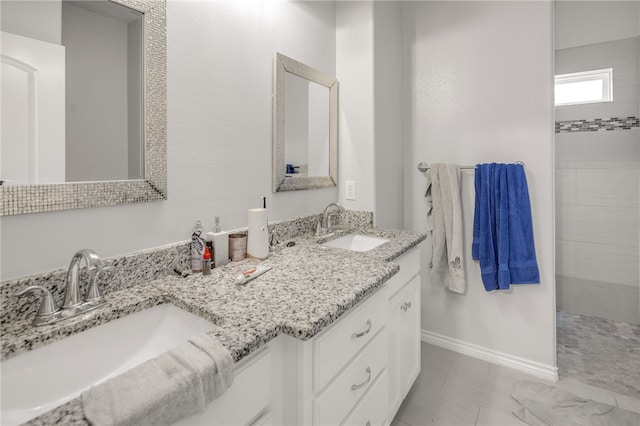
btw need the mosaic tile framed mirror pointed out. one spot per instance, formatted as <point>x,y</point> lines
<point>305,127</point>
<point>45,181</point>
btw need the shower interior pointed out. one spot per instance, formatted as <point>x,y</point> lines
<point>597,210</point>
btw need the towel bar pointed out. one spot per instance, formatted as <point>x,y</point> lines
<point>423,167</point>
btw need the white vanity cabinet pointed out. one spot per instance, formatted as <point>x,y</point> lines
<point>404,329</point>
<point>329,377</point>
<point>358,370</point>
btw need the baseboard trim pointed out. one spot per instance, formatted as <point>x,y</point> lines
<point>534,368</point>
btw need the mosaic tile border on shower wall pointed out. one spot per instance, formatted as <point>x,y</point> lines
<point>597,124</point>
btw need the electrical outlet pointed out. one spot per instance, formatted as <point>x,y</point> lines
<point>350,190</point>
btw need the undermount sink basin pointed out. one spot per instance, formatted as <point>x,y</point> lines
<point>39,380</point>
<point>356,242</point>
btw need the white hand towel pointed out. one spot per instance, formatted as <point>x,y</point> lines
<point>455,238</point>
<point>439,263</point>
<point>445,216</point>
<point>174,385</point>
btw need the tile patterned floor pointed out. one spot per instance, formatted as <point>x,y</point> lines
<point>455,389</point>
<point>599,352</point>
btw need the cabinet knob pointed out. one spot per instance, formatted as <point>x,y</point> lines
<point>362,333</point>
<point>356,387</point>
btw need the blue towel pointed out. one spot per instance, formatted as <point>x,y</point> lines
<point>502,227</point>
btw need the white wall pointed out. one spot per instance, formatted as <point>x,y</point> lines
<point>220,72</point>
<point>97,131</point>
<point>34,19</point>
<point>369,69</point>
<point>354,61</point>
<point>578,23</point>
<point>389,174</point>
<point>479,79</point>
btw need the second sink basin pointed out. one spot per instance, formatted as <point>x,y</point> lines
<point>41,379</point>
<point>356,242</point>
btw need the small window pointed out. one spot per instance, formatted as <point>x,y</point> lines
<point>584,87</point>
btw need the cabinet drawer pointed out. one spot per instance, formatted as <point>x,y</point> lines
<point>344,392</point>
<point>409,267</point>
<point>372,409</point>
<point>334,348</point>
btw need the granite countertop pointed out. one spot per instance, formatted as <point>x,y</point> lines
<point>308,288</point>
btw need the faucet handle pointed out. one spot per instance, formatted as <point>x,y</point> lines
<point>93,292</point>
<point>48,306</point>
<point>319,227</point>
<point>273,240</point>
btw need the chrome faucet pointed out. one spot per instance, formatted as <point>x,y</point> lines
<point>72,290</point>
<point>323,226</point>
<point>49,313</point>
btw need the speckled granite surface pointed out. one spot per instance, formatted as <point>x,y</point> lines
<point>308,288</point>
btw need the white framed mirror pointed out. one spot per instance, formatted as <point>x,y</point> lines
<point>305,127</point>
<point>73,159</point>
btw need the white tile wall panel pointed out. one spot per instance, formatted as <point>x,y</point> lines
<point>609,146</point>
<point>606,187</point>
<point>622,56</point>
<point>566,186</point>
<point>630,165</point>
<point>607,263</point>
<point>597,224</point>
<point>566,257</point>
<point>616,302</point>
<point>600,262</point>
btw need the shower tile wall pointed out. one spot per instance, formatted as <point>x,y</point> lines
<point>597,191</point>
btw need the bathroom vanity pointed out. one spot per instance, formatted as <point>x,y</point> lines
<point>356,371</point>
<point>328,336</point>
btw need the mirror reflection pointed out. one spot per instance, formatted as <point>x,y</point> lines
<point>305,126</point>
<point>72,98</point>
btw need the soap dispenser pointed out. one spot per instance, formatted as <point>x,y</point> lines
<point>220,244</point>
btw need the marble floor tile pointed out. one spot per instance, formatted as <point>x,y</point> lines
<point>599,352</point>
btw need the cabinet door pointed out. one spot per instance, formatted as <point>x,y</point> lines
<point>409,335</point>
<point>404,342</point>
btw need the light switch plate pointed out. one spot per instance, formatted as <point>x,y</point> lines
<point>350,190</point>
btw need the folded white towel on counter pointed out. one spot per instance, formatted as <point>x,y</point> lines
<point>444,220</point>
<point>172,386</point>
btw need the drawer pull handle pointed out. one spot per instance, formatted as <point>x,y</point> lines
<point>356,387</point>
<point>405,306</point>
<point>362,333</point>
